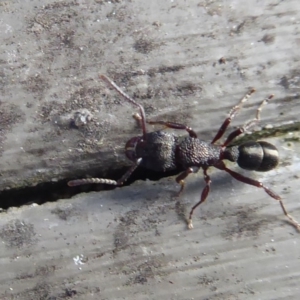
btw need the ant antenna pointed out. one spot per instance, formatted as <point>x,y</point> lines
<point>129,99</point>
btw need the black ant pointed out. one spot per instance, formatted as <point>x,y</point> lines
<point>162,151</point>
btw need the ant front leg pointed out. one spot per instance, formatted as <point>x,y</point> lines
<point>118,182</point>
<point>232,114</point>
<point>258,184</point>
<point>173,125</point>
<point>204,195</point>
<point>249,124</point>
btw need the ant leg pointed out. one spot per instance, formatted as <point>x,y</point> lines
<point>173,125</point>
<point>259,184</point>
<point>247,125</point>
<point>104,180</point>
<point>232,114</point>
<point>129,99</point>
<point>180,178</point>
<point>202,199</point>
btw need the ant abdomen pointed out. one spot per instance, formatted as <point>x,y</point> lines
<point>257,156</point>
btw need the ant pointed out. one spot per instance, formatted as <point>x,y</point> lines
<point>162,151</point>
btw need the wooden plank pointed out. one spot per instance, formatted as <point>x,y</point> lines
<point>133,243</point>
<point>166,55</point>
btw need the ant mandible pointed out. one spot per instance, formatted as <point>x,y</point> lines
<point>162,151</point>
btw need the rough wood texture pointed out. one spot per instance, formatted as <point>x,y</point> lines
<point>133,243</point>
<point>165,54</point>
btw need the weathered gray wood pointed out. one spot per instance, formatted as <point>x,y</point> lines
<point>165,54</point>
<point>132,242</point>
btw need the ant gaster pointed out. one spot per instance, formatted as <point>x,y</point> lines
<point>162,151</point>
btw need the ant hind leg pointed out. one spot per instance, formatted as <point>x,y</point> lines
<point>259,184</point>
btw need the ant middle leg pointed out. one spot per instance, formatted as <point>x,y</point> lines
<point>232,114</point>
<point>204,194</point>
<point>248,124</point>
<point>259,184</point>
